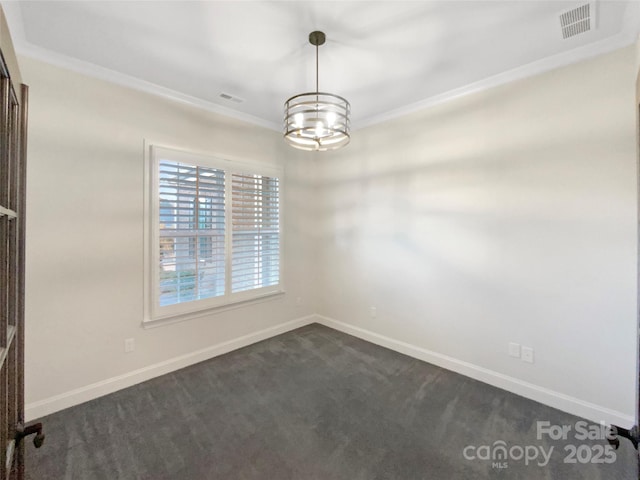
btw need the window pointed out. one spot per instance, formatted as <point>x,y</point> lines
<point>255,241</point>
<point>213,232</point>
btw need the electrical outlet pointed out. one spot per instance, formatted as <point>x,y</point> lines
<point>374,312</point>
<point>298,301</point>
<point>527,354</point>
<point>514,350</point>
<point>129,345</point>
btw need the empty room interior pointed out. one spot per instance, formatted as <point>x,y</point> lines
<point>321,240</point>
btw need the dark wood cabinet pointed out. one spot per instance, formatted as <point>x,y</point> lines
<point>13,145</point>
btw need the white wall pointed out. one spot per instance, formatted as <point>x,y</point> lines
<point>85,237</point>
<point>508,215</point>
<point>505,216</point>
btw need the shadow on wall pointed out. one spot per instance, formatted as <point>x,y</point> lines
<point>501,216</point>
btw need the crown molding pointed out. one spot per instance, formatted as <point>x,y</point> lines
<point>26,49</point>
<point>92,70</point>
<point>627,36</point>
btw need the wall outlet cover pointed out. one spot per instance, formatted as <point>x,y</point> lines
<point>514,349</point>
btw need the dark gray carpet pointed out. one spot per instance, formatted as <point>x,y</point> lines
<point>310,404</point>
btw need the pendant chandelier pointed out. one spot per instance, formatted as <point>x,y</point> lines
<point>317,121</point>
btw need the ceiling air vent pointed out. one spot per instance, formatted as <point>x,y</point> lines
<point>231,98</point>
<point>578,20</point>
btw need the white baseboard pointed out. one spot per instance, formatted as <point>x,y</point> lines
<point>89,392</point>
<point>566,403</point>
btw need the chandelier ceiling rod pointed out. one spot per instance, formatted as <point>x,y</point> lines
<point>317,38</point>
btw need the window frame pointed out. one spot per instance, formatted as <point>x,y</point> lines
<point>153,312</point>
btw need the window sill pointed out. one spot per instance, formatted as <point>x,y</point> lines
<point>159,322</point>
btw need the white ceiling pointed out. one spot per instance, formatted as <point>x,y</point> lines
<point>385,57</point>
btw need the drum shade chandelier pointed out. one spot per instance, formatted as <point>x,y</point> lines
<point>317,121</point>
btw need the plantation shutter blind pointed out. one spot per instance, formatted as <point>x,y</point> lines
<point>255,241</point>
<point>212,237</point>
<point>192,232</point>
